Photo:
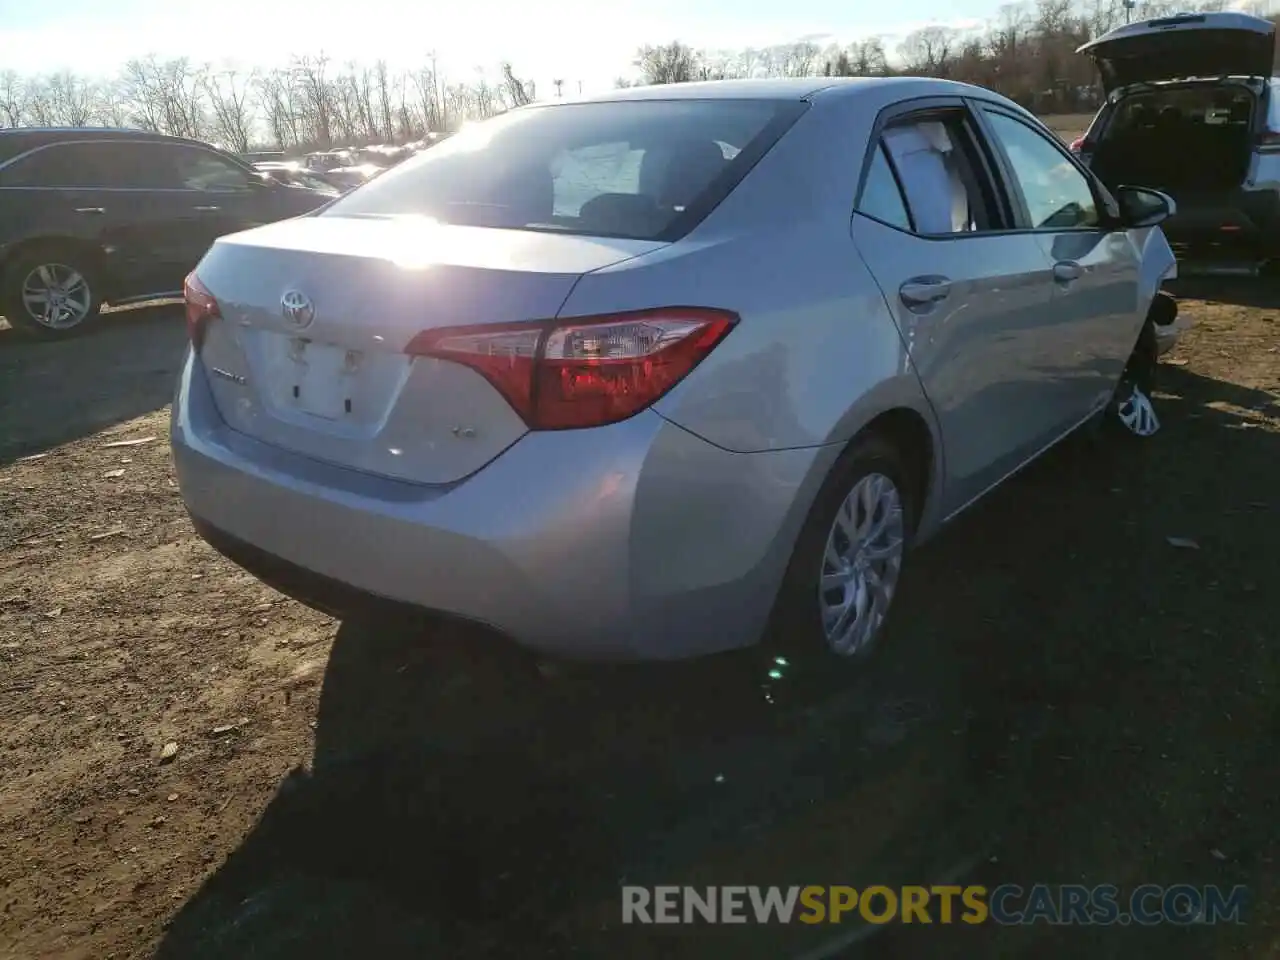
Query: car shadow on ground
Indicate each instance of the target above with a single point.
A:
(1262, 293)
(55, 392)
(1068, 695)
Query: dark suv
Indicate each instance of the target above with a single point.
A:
(1192, 110)
(93, 216)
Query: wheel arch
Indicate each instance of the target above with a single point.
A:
(13, 252)
(898, 412)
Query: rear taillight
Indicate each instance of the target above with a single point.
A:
(584, 372)
(201, 308)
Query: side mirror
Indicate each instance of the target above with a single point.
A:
(1143, 207)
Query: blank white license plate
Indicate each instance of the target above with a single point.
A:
(322, 378)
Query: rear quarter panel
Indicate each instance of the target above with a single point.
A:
(816, 354)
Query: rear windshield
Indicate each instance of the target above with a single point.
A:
(641, 169)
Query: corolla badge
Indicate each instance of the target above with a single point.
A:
(297, 309)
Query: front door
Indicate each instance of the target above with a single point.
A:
(1096, 272)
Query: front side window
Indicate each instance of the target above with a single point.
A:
(196, 169)
(626, 168)
(1058, 196)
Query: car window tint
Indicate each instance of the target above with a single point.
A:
(627, 169)
(204, 170)
(935, 176)
(1057, 194)
(881, 197)
(65, 165)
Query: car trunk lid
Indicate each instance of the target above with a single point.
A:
(1184, 46)
(308, 350)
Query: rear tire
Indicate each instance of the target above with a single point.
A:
(50, 292)
(845, 568)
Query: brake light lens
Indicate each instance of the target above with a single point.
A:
(201, 308)
(586, 372)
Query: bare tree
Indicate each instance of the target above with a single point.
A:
(382, 80)
(310, 80)
(167, 96)
(74, 98)
(424, 80)
(230, 96)
(13, 98)
(796, 59)
(927, 51)
(516, 92)
(41, 105)
(275, 95)
(673, 62)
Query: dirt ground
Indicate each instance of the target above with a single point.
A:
(1081, 686)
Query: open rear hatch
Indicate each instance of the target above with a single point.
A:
(1182, 47)
(307, 350)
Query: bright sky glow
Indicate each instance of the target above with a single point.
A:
(592, 41)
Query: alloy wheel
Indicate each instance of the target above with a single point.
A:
(56, 296)
(861, 564)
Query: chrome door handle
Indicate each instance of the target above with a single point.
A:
(924, 290)
(91, 209)
(208, 209)
(1065, 271)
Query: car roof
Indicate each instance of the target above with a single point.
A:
(16, 140)
(786, 88)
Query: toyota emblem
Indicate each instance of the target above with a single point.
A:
(297, 309)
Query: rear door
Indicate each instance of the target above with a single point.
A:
(971, 295)
(1094, 321)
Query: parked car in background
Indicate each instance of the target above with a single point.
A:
(93, 216)
(384, 154)
(1192, 110)
(263, 156)
(666, 371)
(325, 160)
(348, 178)
(294, 174)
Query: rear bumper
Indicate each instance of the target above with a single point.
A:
(634, 541)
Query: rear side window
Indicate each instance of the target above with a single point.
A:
(63, 165)
(647, 169)
(110, 164)
(927, 163)
(881, 195)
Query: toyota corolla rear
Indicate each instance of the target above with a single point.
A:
(399, 399)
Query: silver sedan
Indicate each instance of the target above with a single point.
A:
(667, 371)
